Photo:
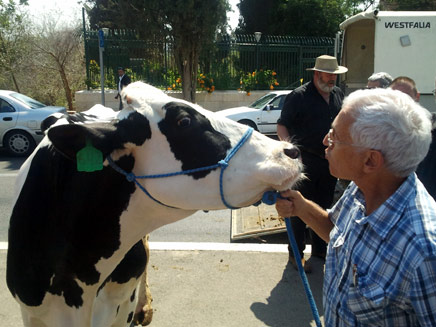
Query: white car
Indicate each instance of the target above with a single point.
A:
(262, 114)
(20, 122)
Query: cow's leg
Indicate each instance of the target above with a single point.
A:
(118, 296)
(144, 311)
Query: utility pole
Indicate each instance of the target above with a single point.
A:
(100, 51)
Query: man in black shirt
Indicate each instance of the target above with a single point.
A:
(123, 80)
(306, 118)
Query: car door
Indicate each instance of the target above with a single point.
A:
(8, 117)
(270, 114)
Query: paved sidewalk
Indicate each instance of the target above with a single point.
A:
(209, 288)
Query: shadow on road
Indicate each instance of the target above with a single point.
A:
(8, 162)
(288, 300)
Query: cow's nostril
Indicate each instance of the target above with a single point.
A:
(293, 153)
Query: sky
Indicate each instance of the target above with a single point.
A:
(70, 11)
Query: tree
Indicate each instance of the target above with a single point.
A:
(193, 24)
(408, 5)
(13, 37)
(59, 51)
(190, 24)
(296, 17)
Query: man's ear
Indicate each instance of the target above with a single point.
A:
(69, 139)
(374, 160)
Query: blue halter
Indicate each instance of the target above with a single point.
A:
(223, 164)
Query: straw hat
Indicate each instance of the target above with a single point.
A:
(328, 64)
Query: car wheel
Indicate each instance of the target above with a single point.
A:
(19, 143)
(249, 123)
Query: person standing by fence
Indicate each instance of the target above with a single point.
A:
(306, 117)
(123, 80)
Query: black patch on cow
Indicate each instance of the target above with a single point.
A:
(130, 318)
(118, 310)
(132, 297)
(132, 266)
(192, 138)
(46, 123)
(69, 139)
(78, 117)
(65, 221)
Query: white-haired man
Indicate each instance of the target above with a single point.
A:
(381, 259)
(381, 79)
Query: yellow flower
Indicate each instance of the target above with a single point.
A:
(174, 85)
(274, 73)
(276, 83)
(271, 87)
(248, 93)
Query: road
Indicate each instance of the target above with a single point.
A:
(9, 167)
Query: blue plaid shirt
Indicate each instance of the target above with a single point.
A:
(381, 269)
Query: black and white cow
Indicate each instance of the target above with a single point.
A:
(76, 256)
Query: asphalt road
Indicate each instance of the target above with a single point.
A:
(9, 167)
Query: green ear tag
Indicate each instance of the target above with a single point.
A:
(89, 159)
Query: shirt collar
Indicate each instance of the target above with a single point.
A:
(387, 215)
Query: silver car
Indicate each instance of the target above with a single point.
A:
(262, 114)
(20, 122)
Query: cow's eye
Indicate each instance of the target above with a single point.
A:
(184, 122)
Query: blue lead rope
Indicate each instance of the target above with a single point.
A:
(270, 198)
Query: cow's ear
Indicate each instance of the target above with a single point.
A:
(69, 139)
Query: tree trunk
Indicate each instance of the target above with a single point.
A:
(187, 62)
(15, 82)
(67, 88)
(186, 81)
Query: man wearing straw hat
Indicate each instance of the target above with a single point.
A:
(306, 118)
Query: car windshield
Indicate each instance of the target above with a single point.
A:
(262, 102)
(32, 103)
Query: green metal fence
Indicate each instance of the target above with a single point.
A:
(231, 56)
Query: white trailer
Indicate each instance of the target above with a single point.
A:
(401, 43)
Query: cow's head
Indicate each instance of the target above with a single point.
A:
(162, 135)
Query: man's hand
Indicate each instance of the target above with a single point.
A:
(292, 205)
(312, 214)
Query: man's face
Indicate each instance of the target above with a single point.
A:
(120, 72)
(345, 159)
(406, 88)
(373, 84)
(326, 81)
